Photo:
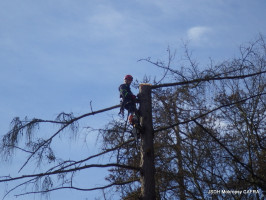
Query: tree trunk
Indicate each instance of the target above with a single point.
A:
(147, 149)
(180, 174)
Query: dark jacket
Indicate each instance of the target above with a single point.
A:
(128, 100)
(125, 93)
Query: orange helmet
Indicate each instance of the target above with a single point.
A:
(129, 77)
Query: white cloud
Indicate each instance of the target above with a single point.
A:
(199, 34)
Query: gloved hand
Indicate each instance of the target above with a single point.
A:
(133, 97)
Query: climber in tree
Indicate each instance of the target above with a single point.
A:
(128, 99)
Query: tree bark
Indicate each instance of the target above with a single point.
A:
(180, 174)
(147, 149)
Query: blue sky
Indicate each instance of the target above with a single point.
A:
(58, 55)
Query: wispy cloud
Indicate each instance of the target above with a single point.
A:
(199, 34)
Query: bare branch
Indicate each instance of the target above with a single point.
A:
(93, 156)
(247, 167)
(204, 114)
(71, 170)
(16, 147)
(91, 106)
(207, 79)
(65, 126)
(81, 189)
(17, 186)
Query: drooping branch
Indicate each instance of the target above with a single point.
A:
(70, 170)
(81, 189)
(62, 166)
(66, 124)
